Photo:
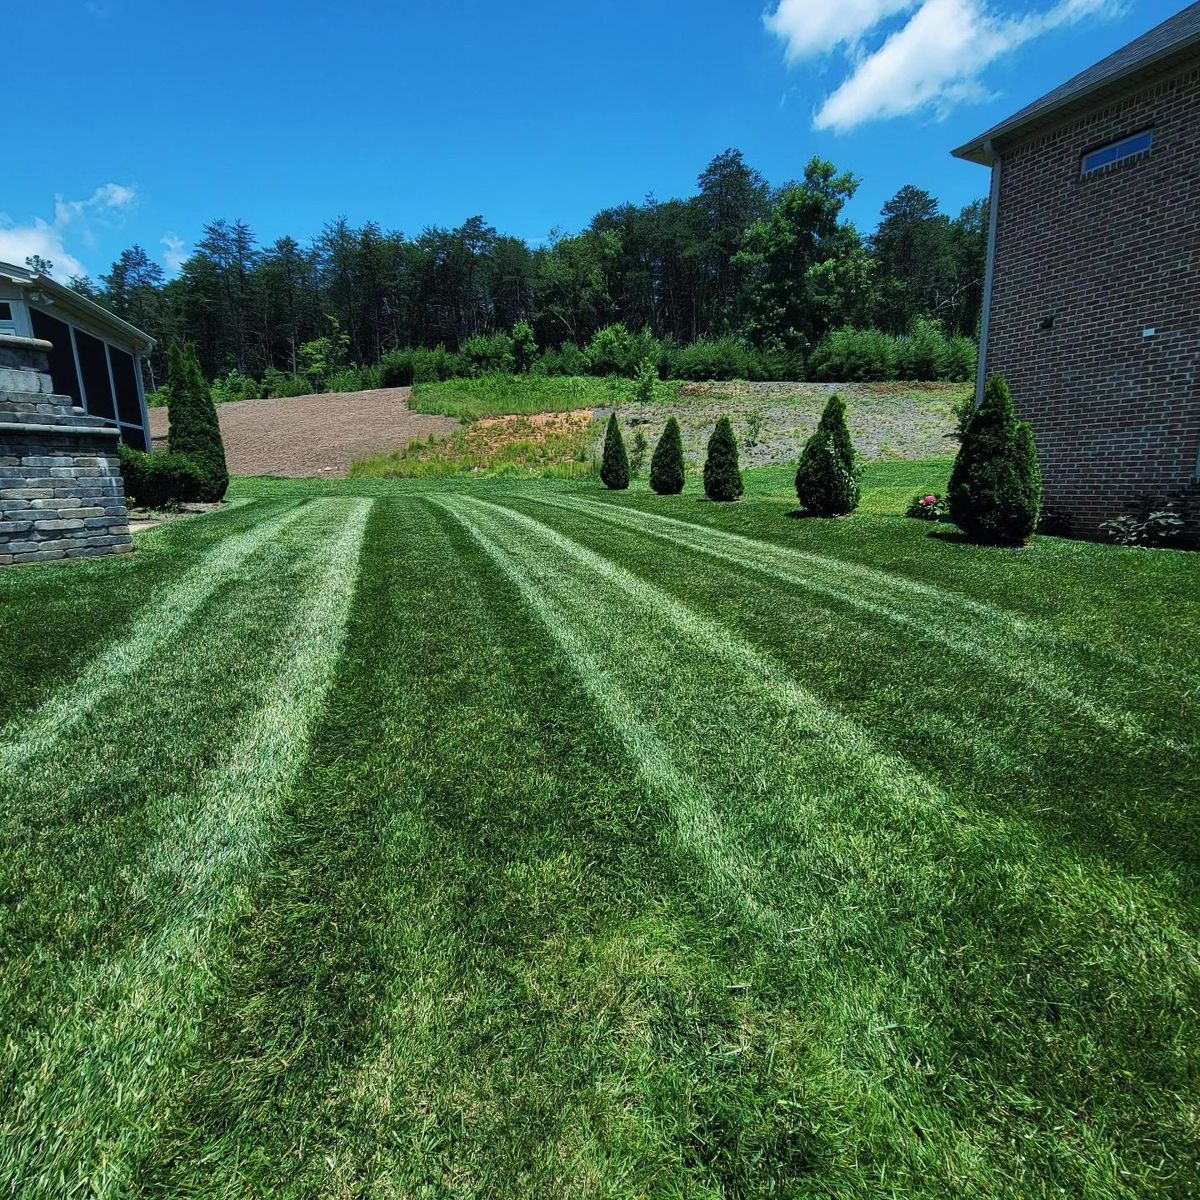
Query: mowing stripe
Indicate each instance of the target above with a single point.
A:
(697, 828)
(156, 624)
(87, 1105)
(854, 758)
(996, 640)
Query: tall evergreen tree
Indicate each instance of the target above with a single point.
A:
(614, 470)
(995, 490)
(666, 464)
(722, 478)
(195, 430)
(827, 475)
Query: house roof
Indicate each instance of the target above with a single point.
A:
(1176, 40)
(73, 304)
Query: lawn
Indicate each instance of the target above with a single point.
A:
(415, 838)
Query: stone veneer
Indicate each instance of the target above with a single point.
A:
(61, 492)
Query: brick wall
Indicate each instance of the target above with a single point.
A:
(61, 493)
(1115, 414)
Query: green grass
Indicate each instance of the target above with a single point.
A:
(406, 838)
(524, 395)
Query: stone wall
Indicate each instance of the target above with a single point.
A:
(61, 492)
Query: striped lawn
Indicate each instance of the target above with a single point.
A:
(524, 840)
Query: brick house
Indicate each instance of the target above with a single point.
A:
(1092, 291)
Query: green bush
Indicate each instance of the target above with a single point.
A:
(276, 383)
(616, 351)
(666, 464)
(924, 353)
(722, 479)
(854, 355)
(996, 486)
(524, 346)
(355, 379)
(235, 386)
(488, 355)
(827, 475)
(157, 480)
(704, 361)
(195, 430)
(396, 370)
(645, 384)
(961, 358)
(614, 469)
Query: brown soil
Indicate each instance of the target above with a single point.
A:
(305, 436)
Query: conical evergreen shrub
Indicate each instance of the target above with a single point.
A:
(827, 475)
(195, 430)
(614, 470)
(722, 479)
(995, 488)
(666, 466)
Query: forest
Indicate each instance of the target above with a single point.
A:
(771, 268)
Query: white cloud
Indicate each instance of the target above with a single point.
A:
(935, 60)
(175, 255)
(73, 219)
(812, 27)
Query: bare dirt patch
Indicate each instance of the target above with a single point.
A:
(305, 436)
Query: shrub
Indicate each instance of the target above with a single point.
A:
(704, 361)
(355, 379)
(666, 464)
(961, 359)
(276, 383)
(396, 370)
(854, 355)
(996, 485)
(488, 355)
(195, 430)
(158, 480)
(644, 385)
(722, 479)
(924, 354)
(614, 469)
(637, 456)
(1152, 526)
(928, 506)
(235, 386)
(435, 366)
(524, 346)
(827, 475)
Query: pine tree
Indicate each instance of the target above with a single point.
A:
(722, 479)
(827, 475)
(666, 465)
(995, 488)
(195, 430)
(614, 470)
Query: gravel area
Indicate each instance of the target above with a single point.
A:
(305, 436)
(887, 421)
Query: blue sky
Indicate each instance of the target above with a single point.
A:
(140, 121)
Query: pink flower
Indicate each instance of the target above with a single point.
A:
(929, 500)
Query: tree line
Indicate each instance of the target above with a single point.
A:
(772, 266)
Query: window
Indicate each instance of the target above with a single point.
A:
(62, 353)
(5, 311)
(1115, 152)
(129, 404)
(93, 366)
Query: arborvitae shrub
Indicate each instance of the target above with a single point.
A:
(614, 470)
(996, 486)
(666, 464)
(827, 475)
(195, 431)
(722, 479)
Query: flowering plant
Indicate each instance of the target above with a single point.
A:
(929, 507)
